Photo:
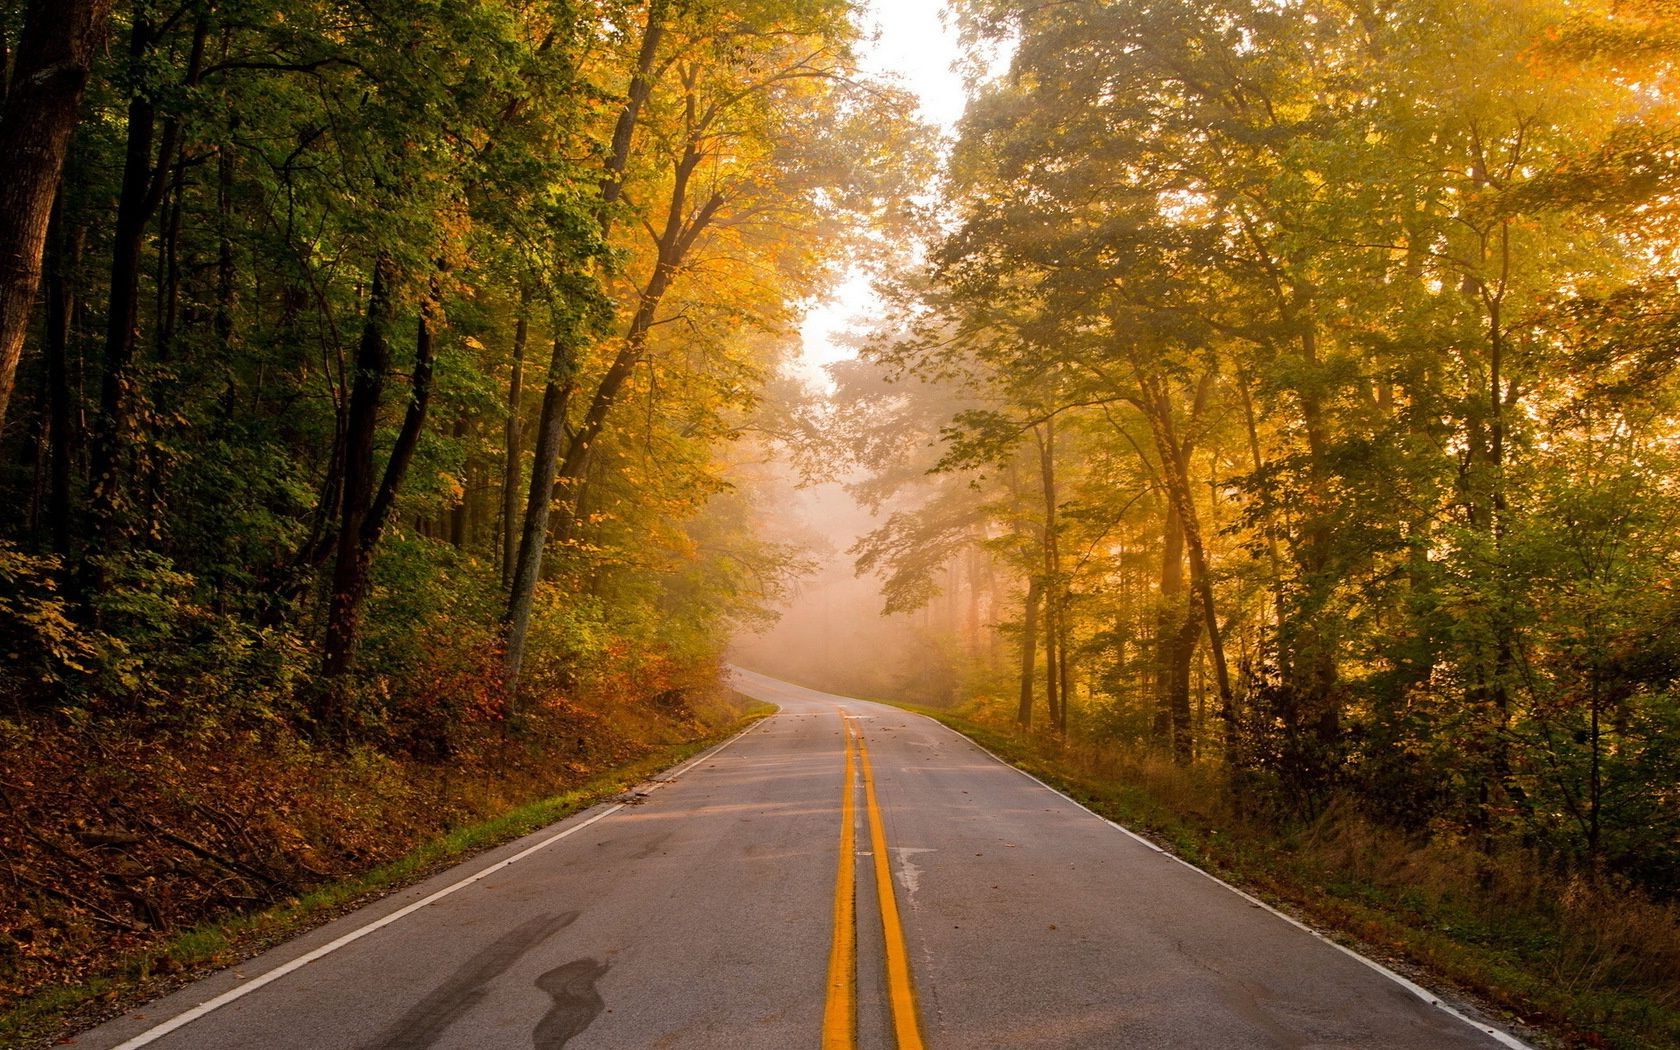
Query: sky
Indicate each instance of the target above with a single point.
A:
(912, 44)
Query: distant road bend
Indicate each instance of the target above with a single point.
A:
(843, 874)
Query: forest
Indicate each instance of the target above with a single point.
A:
(1288, 395)
(1281, 392)
(381, 384)
(1292, 388)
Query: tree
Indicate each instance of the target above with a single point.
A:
(55, 54)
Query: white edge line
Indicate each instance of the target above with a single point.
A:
(181, 1020)
(1499, 1035)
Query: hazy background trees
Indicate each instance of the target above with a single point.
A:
(1296, 387)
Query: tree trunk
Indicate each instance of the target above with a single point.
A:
(225, 268)
(169, 258)
(366, 512)
(66, 251)
(562, 372)
(1504, 625)
(1177, 626)
(1053, 588)
(624, 131)
(372, 360)
(1274, 560)
(143, 187)
(1064, 666)
(1175, 471)
(679, 235)
(513, 438)
(460, 515)
(562, 368)
(1029, 652)
(49, 73)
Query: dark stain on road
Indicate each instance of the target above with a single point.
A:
(652, 846)
(576, 1002)
(421, 1026)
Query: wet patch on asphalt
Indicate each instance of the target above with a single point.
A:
(429, 1018)
(576, 1002)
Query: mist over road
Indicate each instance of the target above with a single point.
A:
(712, 911)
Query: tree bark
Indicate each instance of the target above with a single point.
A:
(372, 360)
(1175, 463)
(366, 511)
(1053, 693)
(562, 368)
(169, 267)
(1029, 652)
(513, 437)
(460, 515)
(678, 237)
(624, 130)
(225, 266)
(54, 55)
(1177, 626)
(143, 186)
(66, 250)
(562, 372)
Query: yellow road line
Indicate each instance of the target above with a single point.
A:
(901, 994)
(840, 1010)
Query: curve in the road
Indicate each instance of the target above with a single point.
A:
(715, 914)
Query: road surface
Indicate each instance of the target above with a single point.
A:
(738, 903)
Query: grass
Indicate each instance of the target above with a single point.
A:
(47, 1016)
(1572, 962)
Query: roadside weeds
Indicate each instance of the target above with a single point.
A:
(142, 975)
(1562, 963)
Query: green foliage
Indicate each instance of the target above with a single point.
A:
(43, 642)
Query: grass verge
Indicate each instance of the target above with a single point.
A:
(1565, 962)
(48, 1016)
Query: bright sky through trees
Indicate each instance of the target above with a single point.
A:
(913, 44)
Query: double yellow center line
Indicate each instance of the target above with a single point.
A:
(840, 1010)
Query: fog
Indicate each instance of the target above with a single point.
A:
(832, 634)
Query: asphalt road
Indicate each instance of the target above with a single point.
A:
(713, 911)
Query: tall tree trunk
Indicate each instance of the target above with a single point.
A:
(372, 360)
(513, 436)
(1316, 675)
(49, 74)
(1177, 626)
(972, 576)
(143, 188)
(65, 247)
(169, 258)
(225, 266)
(1052, 680)
(1306, 646)
(1175, 470)
(460, 515)
(365, 510)
(1274, 559)
(1497, 689)
(624, 130)
(1064, 666)
(1046, 436)
(678, 237)
(562, 369)
(1029, 652)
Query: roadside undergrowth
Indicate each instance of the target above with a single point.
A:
(1575, 962)
(134, 862)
